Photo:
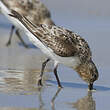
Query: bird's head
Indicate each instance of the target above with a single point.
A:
(88, 71)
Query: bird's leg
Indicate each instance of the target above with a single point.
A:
(55, 73)
(90, 86)
(11, 33)
(19, 36)
(42, 71)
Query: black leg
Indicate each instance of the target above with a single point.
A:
(55, 73)
(90, 86)
(19, 36)
(11, 33)
(42, 71)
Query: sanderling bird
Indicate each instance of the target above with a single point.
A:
(34, 10)
(62, 46)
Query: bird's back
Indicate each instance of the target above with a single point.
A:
(61, 41)
(34, 10)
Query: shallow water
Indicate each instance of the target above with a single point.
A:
(20, 67)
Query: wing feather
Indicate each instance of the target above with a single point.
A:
(63, 42)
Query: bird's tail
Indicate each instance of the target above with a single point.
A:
(16, 15)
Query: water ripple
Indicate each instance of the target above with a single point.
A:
(19, 81)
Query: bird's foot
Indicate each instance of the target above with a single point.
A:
(60, 86)
(90, 87)
(40, 82)
(8, 43)
(26, 46)
(92, 90)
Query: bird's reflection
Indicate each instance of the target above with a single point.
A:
(41, 103)
(54, 97)
(85, 103)
(25, 82)
(16, 81)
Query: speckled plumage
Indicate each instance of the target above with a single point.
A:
(62, 44)
(34, 10)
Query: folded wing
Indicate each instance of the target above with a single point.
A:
(62, 41)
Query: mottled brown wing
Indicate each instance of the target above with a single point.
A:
(58, 39)
(51, 36)
(62, 41)
(34, 10)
